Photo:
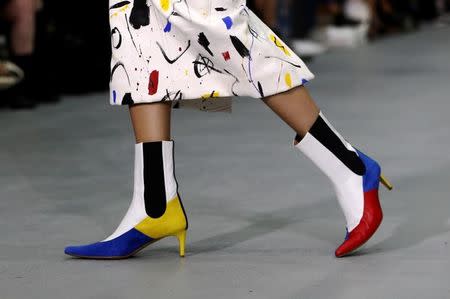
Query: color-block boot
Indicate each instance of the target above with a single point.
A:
(155, 212)
(356, 179)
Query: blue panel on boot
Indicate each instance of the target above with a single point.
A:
(371, 179)
(121, 246)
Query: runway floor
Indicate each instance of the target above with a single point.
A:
(264, 222)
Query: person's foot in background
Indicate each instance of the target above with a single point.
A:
(308, 48)
(10, 75)
(342, 20)
(20, 95)
(346, 23)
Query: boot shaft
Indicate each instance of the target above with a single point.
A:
(154, 177)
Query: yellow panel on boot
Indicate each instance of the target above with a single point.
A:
(172, 222)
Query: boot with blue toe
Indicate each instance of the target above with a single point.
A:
(156, 211)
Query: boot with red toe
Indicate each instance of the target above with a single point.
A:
(356, 179)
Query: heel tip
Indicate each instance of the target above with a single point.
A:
(385, 182)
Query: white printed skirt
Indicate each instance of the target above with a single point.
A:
(203, 50)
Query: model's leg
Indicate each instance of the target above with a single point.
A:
(22, 14)
(296, 108)
(151, 122)
(156, 210)
(355, 176)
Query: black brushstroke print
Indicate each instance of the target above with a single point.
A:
(114, 69)
(131, 36)
(211, 95)
(279, 44)
(246, 74)
(236, 81)
(127, 100)
(240, 47)
(253, 32)
(140, 14)
(284, 60)
(172, 61)
(172, 96)
(203, 66)
(261, 92)
(221, 9)
(204, 42)
(120, 4)
(175, 8)
(116, 32)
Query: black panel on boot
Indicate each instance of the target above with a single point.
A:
(325, 135)
(155, 189)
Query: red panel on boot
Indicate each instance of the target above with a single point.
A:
(369, 223)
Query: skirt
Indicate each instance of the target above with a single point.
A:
(202, 50)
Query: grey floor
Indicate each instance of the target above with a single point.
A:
(263, 221)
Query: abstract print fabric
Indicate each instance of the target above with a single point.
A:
(174, 50)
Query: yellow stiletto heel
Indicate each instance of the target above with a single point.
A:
(386, 182)
(181, 236)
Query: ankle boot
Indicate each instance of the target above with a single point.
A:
(155, 212)
(355, 177)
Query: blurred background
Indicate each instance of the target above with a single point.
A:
(39, 37)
